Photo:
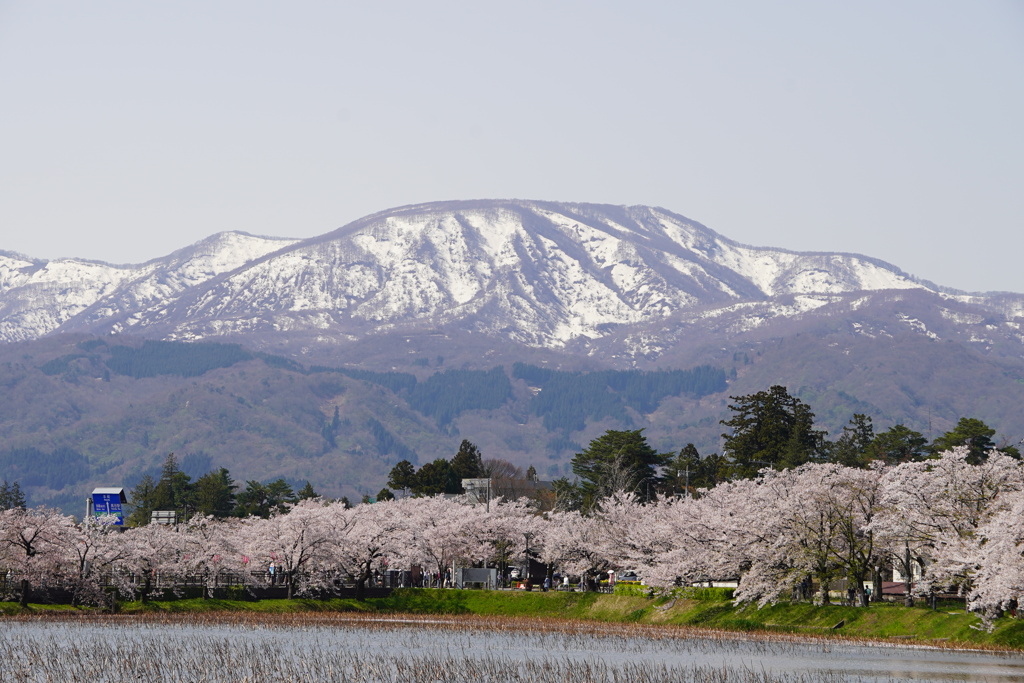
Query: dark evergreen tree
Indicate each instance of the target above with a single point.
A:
(617, 461)
(568, 496)
(11, 496)
(770, 429)
(53, 470)
(330, 429)
(173, 491)
(898, 444)
(142, 501)
(307, 492)
(444, 395)
(215, 494)
(184, 359)
(327, 432)
(385, 494)
(386, 441)
(436, 477)
(714, 469)
(468, 463)
(392, 381)
(569, 399)
(403, 476)
(262, 500)
(974, 434)
(851, 449)
(196, 464)
(682, 473)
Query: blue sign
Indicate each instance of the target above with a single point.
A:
(108, 504)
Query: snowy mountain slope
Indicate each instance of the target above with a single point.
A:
(543, 274)
(40, 297)
(37, 297)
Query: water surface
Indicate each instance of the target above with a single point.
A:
(450, 651)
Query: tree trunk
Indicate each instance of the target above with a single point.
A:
(908, 577)
(23, 601)
(860, 594)
(361, 581)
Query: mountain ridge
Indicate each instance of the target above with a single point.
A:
(542, 272)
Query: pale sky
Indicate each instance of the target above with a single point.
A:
(888, 128)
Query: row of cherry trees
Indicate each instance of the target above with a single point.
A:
(777, 532)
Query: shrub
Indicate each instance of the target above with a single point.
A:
(704, 593)
(633, 589)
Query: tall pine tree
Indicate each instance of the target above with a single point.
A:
(617, 461)
(468, 463)
(770, 429)
(215, 494)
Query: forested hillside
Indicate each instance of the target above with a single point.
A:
(83, 412)
(566, 400)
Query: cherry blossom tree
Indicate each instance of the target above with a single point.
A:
(506, 528)
(31, 547)
(372, 535)
(713, 535)
(89, 550)
(999, 579)
(759, 538)
(444, 530)
(573, 542)
(148, 554)
(931, 512)
(633, 533)
(827, 518)
(210, 548)
(773, 532)
(295, 541)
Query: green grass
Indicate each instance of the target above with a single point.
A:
(13, 608)
(886, 620)
(491, 603)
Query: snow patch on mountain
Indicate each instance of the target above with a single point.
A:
(917, 325)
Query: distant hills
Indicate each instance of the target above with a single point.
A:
(526, 327)
(81, 411)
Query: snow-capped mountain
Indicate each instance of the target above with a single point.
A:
(40, 297)
(543, 274)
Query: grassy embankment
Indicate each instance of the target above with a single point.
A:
(710, 610)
